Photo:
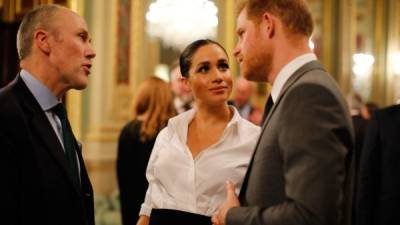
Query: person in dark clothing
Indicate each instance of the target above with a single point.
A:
(153, 106)
(360, 117)
(43, 176)
(378, 193)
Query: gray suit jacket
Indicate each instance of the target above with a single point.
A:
(301, 170)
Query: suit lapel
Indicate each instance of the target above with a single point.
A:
(43, 129)
(296, 75)
(85, 181)
(292, 80)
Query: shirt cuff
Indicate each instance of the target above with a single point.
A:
(145, 210)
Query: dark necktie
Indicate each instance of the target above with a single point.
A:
(267, 108)
(68, 139)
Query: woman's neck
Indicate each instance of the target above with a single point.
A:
(207, 127)
(212, 114)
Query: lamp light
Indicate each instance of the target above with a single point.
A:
(362, 64)
(179, 22)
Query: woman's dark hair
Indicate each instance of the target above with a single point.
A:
(185, 60)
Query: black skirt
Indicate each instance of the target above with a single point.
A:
(176, 217)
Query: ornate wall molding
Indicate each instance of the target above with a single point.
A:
(379, 51)
(345, 43)
(392, 90)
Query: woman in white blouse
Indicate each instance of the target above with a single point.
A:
(200, 149)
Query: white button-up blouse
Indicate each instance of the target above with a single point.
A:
(177, 181)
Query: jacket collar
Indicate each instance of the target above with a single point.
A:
(39, 122)
(313, 65)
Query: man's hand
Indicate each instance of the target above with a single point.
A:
(231, 201)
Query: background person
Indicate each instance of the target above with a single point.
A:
(152, 107)
(360, 117)
(378, 195)
(242, 101)
(183, 98)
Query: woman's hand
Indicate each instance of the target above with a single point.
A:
(143, 220)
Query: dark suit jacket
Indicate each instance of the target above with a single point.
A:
(360, 126)
(300, 171)
(132, 159)
(36, 187)
(378, 193)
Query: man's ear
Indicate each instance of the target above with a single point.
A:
(269, 24)
(41, 40)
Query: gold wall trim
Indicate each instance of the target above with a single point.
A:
(378, 75)
(77, 5)
(137, 42)
(103, 133)
(392, 80)
(105, 128)
(327, 18)
(9, 11)
(74, 98)
(348, 44)
(230, 32)
(18, 7)
(102, 176)
(101, 166)
(74, 109)
(102, 137)
(102, 82)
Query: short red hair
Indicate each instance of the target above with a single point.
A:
(294, 14)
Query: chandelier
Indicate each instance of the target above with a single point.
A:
(179, 22)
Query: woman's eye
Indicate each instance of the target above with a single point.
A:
(203, 69)
(223, 66)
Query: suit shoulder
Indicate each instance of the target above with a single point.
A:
(313, 89)
(6, 92)
(388, 114)
(8, 99)
(319, 77)
(308, 96)
(320, 82)
(394, 109)
(11, 111)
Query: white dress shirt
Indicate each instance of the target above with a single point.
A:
(177, 181)
(287, 71)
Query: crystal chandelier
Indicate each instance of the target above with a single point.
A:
(179, 22)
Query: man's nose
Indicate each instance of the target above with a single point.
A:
(236, 51)
(91, 53)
